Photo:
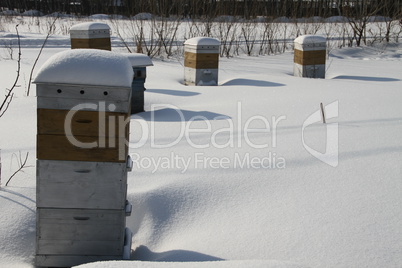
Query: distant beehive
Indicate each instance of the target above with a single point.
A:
(82, 159)
(309, 56)
(201, 61)
(90, 35)
(139, 62)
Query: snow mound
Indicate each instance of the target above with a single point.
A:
(379, 19)
(32, 13)
(334, 19)
(87, 67)
(225, 18)
(282, 20)
(18, 227)
(59, 14)
(314, 19)
(9, 13)
(99, 17)
(217, 264)
(142, 16)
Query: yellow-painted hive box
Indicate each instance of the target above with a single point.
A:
(90, 35)
(309, 56)
(201, 61)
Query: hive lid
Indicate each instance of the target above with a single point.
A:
(202, 41)
(87, 67)
(90, 26)
(139, 60)
(310, 39)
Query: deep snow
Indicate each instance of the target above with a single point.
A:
(87, 67)
(229, 203)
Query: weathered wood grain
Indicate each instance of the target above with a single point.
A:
(81, 123)
(201, 60)
(86, 185)
(58, 147)
(309, 57)
(95, 43)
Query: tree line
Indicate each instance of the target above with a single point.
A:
(247, 9)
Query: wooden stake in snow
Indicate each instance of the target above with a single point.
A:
(323, 113)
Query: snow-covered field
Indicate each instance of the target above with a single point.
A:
(225, 176)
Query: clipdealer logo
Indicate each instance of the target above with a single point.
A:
(236, 134)
(330, 156)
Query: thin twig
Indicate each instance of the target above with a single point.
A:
(10, 94)
(120, 36)
(22, 166)
(40, 52)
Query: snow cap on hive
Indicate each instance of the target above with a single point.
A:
(87, 67)
(139, 60)
(310, 42)
(90, 26)
(202, 45)
(89, 30)
(202, 41)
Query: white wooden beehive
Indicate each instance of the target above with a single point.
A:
(201, 61)
(82, 190)
(309, 56)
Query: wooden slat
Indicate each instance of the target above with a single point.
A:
(86, 105)
(201, 60)
(86, 185)
(58, 147)
(309, 57)
(78, 97)
(68, 247)
(80, 231)
(75, 231)
(95, 43)
(83, 123)
(79, 225)
(70, 260)
(87, 92)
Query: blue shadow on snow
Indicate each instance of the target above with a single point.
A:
(178, 115)
(144, 254)
(181, 93)
(250, 82)
(366, 78)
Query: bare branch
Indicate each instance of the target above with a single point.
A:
(40, 52)
(10, 94)
(22, 165)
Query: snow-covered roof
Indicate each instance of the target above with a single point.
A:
(87, 67)
(203, 41)
(310, 39)
(89, 26)
(139, 60)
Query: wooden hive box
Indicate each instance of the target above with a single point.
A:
(82, 152)
(86, 185)
(90, 35)
(309, 56)
(71, 117)
(201, 61)
(69, 237)
(139, 63)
